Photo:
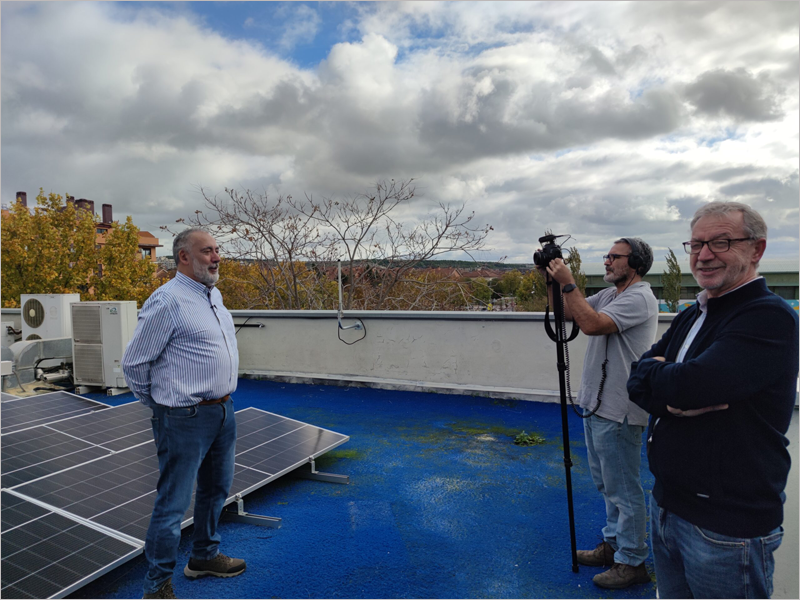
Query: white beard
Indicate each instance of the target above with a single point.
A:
(203, 275)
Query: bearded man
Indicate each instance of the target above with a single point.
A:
(621, 323)
(183, 363)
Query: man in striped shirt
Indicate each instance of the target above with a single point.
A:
(183, 363)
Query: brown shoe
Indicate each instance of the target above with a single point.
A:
(602, 556)
(219, 566)
(165, 591)
(621, 576)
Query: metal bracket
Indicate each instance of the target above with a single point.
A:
(316, 475)
(240, 516)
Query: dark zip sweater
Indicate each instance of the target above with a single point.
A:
(725, 470)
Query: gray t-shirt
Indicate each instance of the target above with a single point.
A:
(635, 313)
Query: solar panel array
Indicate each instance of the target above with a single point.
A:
(22, 413)
(95, 473)
(45, 554)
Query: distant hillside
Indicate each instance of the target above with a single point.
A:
(470, 265)
(465, 265)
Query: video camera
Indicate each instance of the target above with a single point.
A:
(549, 251)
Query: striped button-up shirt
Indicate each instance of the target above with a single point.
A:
(184, 347)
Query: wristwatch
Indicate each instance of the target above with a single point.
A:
(568, 288)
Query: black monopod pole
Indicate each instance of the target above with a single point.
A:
(559, 337)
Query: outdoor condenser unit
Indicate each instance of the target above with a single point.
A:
(100, 333)
(47, 316)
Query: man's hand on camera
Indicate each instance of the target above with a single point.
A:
(560, 272)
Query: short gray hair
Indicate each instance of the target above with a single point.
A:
(754, 225)
(182, 241)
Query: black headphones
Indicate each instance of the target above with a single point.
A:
(635, 259)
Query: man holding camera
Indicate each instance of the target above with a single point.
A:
(621, 324)
(720, 386)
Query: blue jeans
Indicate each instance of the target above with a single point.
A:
(615, 453)
(697, 563)
(195, 443)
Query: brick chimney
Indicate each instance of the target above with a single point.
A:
(85, 204)
(107, 217)
(23, 197)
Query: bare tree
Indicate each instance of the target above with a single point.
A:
(294, 245)
(278, 240)
(379, 251)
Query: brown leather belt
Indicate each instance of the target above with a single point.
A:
(222, 400)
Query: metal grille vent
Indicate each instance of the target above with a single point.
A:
(33, 336)
(33, 313)
(86, 324)
(88, 363)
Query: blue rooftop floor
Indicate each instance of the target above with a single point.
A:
(441, 504)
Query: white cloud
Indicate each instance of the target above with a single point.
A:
(302, 28)
(595, 119)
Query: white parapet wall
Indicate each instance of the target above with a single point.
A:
(497, 354)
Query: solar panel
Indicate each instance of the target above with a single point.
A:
(121, 427)
(46, 554)
(118, 490)
(4, 397)
(39, 451)
(21, 413)
(275, 445)
(99, 471)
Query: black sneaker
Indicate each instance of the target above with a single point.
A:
(165, 591)
(219, 566)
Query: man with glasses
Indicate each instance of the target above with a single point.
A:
(720, 388)
(621, 323)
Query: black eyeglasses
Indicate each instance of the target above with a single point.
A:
(613, 257)
(716, 246)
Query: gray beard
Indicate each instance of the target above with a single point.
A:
(609, 277)
(203, 275)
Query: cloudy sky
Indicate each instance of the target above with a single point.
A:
(590, 118)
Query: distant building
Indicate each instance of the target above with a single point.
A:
(167, 263)
(782, 283)
(147, 241)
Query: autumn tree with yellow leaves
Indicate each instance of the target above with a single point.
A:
(53, 250)
(122, 274)
(49, 251)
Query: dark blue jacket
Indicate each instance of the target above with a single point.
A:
(725, 470)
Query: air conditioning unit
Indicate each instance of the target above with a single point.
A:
(47, 316)
(100, 333)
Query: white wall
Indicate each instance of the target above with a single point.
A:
(496, 354)
(492, 353)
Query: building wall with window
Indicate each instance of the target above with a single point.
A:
(147, 242)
